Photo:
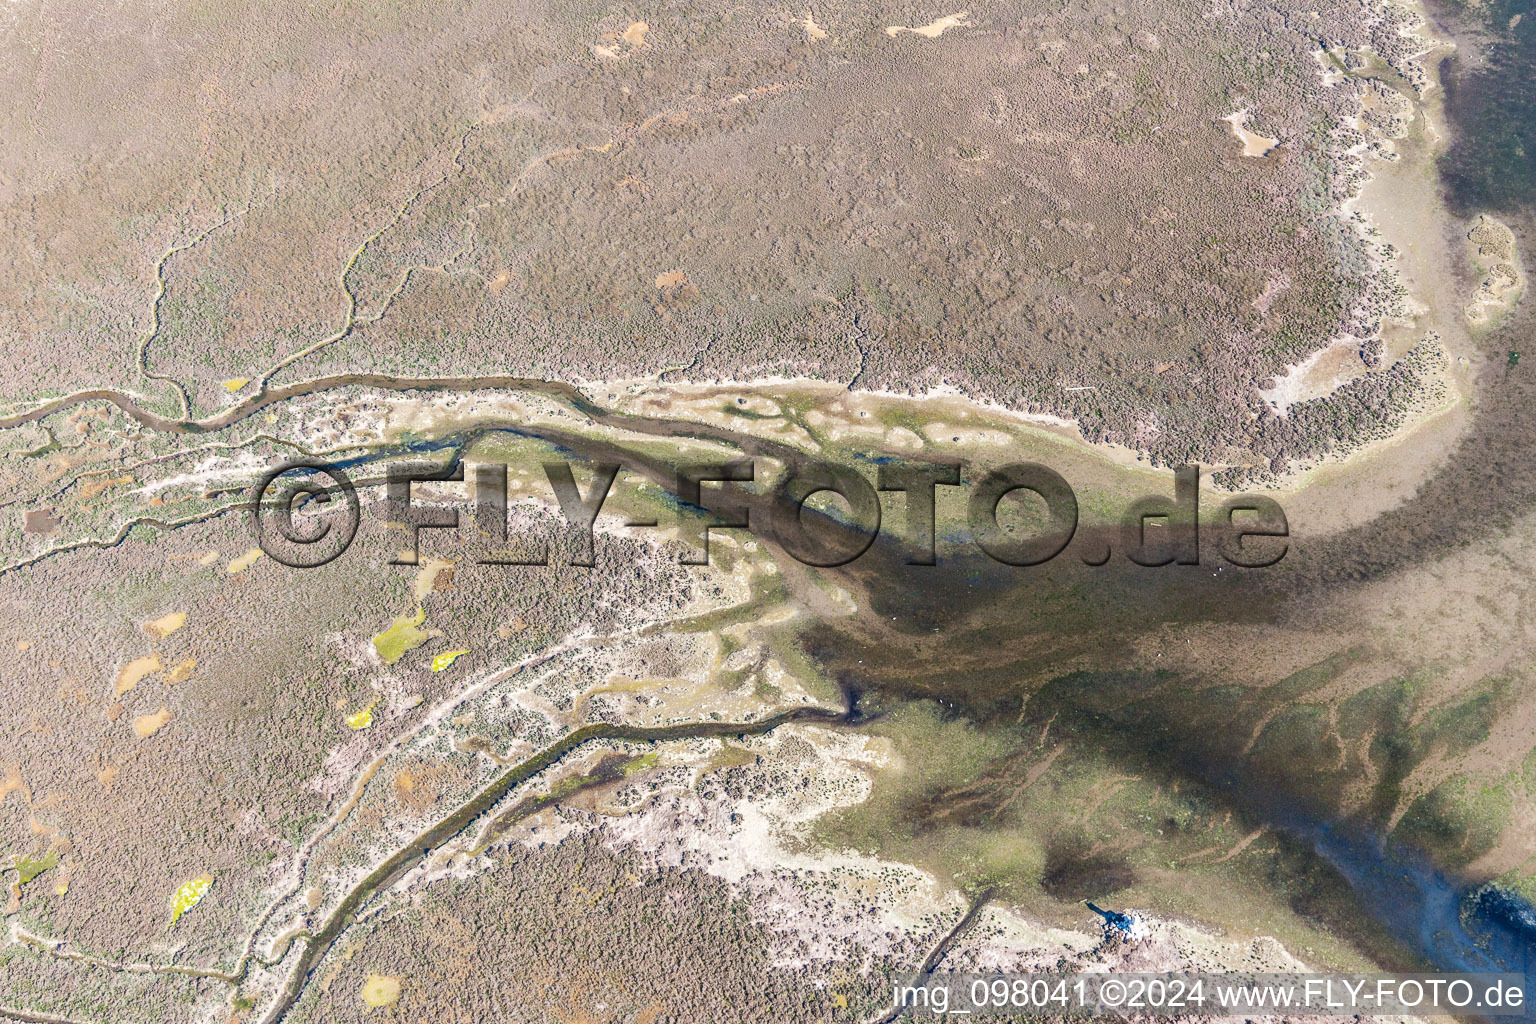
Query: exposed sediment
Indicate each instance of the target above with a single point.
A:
(1496, 255)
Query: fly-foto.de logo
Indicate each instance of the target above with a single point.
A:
(306, 514)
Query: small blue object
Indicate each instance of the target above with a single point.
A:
(1117, 920)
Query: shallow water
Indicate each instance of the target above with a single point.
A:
(1489, 166)
(1491, 103)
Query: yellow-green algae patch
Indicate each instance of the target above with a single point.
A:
(404, 634)
(380, 990)
(445, 659)
(362, 719)
(189, 895)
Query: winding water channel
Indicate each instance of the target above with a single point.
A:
(1434, 916)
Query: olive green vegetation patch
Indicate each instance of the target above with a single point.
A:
(1459, 820)
(953, 754)
(636, 765)
(728, 756)
(1299, 735)
(1386, 708)
(29, 868)
(1313, 677)
(1460, 727)
(989, 858)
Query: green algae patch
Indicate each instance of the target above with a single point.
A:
(29, 868)
(566, 786)
(403, 635)
(644, 762)
(728, 756)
